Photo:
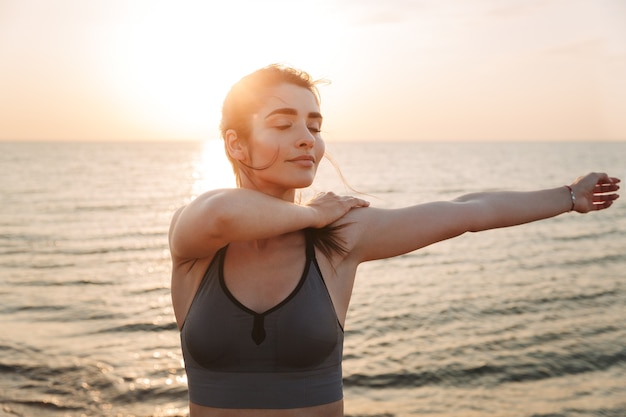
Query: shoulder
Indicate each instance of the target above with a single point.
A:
(189, 228)
(175, 217)
(194, 215)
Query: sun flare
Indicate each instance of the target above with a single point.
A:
(212, 169)
(182, 58)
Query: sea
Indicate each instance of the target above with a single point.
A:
(528, 321)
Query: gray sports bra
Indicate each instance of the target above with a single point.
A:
(287, 357)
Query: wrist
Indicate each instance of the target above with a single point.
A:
(312, 217)
(572, 196)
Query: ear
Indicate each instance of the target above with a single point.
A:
(235, 146)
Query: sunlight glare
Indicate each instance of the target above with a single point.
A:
(212, 170)
(181, 58)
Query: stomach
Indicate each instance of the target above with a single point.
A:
(334, 409)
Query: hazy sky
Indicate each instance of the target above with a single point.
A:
(399, 69)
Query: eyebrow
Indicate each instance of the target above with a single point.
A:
(293, 112)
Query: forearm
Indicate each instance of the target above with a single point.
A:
(241, 214)
(490, 210)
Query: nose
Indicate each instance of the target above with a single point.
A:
(306, 139)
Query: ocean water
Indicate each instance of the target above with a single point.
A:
(526, 321)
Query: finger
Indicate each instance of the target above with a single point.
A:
(604, 180)
(360, 203)
(601, 199)
(609, 180)
(603, 205)
(605, 188)
(604, 196)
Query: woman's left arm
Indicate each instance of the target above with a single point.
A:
(502, 209)
(386, 233)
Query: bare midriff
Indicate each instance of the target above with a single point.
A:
(334, 409)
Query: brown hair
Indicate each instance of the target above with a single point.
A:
(244, 99)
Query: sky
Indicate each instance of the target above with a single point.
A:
(397, 69)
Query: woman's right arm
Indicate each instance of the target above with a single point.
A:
(219, 217)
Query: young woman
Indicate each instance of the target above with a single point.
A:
(261, 284)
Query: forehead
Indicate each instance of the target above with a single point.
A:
(289, 96)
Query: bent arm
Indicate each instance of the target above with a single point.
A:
(386, 233)
(219, 217)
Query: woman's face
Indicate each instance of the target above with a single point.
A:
(285, 142)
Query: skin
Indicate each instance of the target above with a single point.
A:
(262, 224)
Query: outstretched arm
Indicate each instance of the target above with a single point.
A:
(386, 233)
(219, 217)
(502, 209)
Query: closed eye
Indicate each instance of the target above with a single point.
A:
(312, 129)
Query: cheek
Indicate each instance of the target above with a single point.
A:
(262, 154)
(259, 147)
(320, 149)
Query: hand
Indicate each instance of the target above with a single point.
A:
(330, 207)
(595, 191)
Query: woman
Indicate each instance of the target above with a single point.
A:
(261, 284)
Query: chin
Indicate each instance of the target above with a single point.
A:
(303, 184)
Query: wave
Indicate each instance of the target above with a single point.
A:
(40, 405)
(141, 327)
(66, 258)
(107, 207)
(33, 308)
(566, 301)
(590, 236)
(37, 385)
(570, 412)
(520, 369)
(598, 260)
(75, 283)
(145, 291)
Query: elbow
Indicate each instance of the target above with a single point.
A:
(203, 221)
(468, 212)
(479, 224)
(476, 215)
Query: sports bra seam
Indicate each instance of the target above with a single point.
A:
(301, 371)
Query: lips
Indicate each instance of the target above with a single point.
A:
(304, 160)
